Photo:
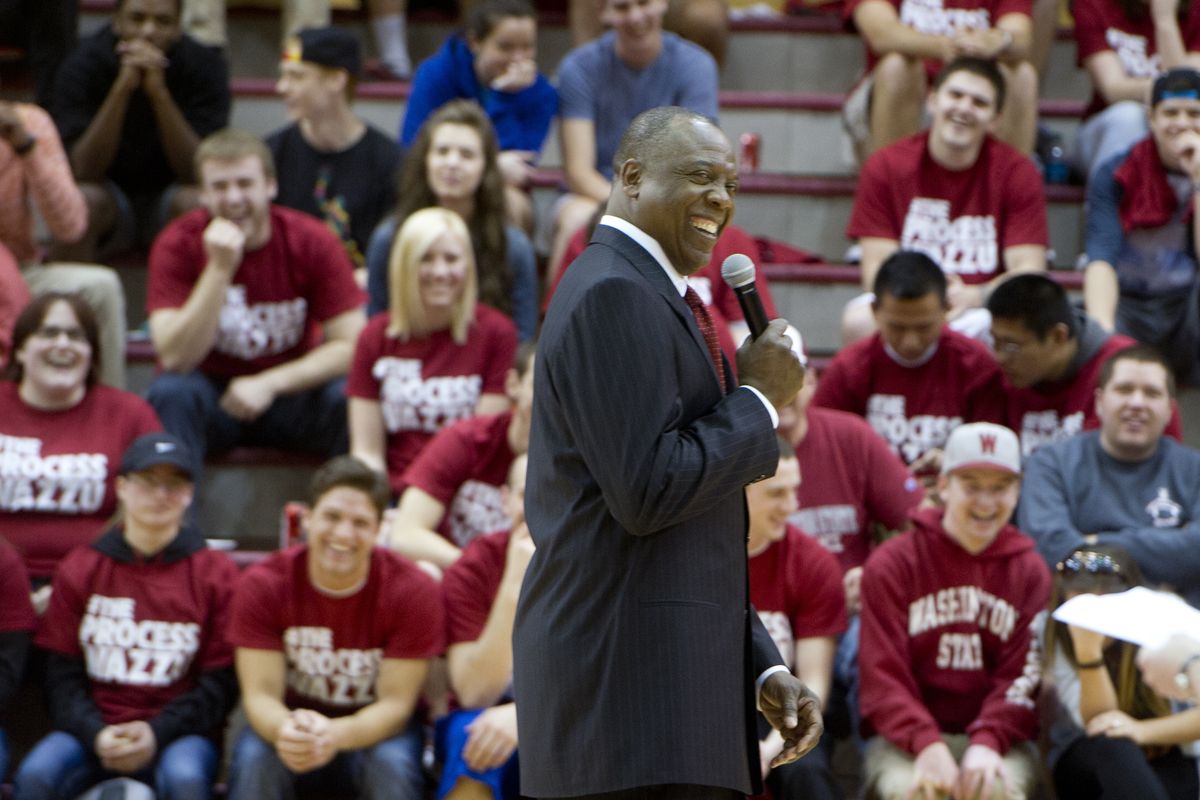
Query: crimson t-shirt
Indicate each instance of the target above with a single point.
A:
(277, 298)
(915, 408)
(1101, 25)
(850, 479)
(796, 587)
(470, 584)
(944, 18)
(962, 219)
(424, 384)
(463, 468)
(146, 630)
(333, 646)
(58, 469)
(16, 609)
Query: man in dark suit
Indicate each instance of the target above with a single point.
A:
(637, 658)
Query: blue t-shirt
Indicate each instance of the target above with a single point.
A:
(594, 84)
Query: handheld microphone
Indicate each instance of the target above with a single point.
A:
(738, 271)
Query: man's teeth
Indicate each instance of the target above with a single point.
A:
(706, 225)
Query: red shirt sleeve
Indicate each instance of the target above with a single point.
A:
(1091, 25)
(469, 587)
(59, 627)
(221, 578)
(253, 615)
(1004, 7)
(361, 381)
(332, 290)
(500, 338)
(444, 464)
(176, 259)
(873, 214)
(839, 386)
(815, 580)
(1024, 205)
(420, 630)
(16, 609)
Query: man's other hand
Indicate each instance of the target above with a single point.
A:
(769, 365)
(793, 710)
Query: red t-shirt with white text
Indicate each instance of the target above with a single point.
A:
(145, 630)
(1101, 25)
(424, 384)
(276, 299)
(850, 479)
(333, 646)
(945, 18)
(915, 408)
(796, 587)
(58, 469)
(962, 219)
(463, 468)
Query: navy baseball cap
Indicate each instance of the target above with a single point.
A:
(1179, 83)
(330, 47)
(153, 449)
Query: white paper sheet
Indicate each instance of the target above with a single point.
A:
(1140, 615)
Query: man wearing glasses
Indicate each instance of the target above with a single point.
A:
(1125, 484)
(1050, 354)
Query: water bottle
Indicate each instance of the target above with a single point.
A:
(1058, 170)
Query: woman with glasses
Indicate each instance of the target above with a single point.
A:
(138, 674)
(1111, 735)
(61, 433)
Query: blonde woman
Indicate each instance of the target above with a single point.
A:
(435, 356)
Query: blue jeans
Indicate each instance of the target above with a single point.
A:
(189, 407)
(59, 768)
(388, 769)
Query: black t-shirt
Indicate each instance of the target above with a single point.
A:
(351, 190)
(197, 78)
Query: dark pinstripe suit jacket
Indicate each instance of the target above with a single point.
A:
(635, 647)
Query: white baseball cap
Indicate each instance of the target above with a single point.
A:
(982, 444)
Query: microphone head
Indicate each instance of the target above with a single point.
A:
(737, 270)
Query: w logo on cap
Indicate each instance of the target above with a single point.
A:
(987, 443)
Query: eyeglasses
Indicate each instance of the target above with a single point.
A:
(1090, 562)
(52, 332)
(1008, 347)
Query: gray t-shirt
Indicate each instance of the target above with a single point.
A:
(594, 84)
(1150, 508)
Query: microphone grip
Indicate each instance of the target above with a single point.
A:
(752, 309)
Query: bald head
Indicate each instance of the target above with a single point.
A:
(675, 179)
(652, 133)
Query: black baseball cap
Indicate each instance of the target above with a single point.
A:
(153, 449)
(330, 47)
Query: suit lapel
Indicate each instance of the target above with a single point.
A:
(652, 271)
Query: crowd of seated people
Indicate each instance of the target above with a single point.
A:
(375, 299)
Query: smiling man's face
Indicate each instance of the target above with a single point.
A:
(683, 193)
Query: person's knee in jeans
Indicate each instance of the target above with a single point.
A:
(392, 768)
(58, 766)
(186, 769)
(255, 771)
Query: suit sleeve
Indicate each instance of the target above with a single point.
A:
(663, 468)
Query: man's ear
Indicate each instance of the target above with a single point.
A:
(630, 177)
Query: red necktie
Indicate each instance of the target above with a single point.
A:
(708, 330)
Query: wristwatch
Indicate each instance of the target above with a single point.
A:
(1182, 681)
